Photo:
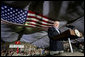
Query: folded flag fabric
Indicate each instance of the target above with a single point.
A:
(24, 17)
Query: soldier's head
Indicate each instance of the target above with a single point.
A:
(56, 24)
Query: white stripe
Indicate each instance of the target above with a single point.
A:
(32, 22)
(32, 19)
(45, 19)
(30, 14)
(44, 23)
(44, 26)
(39, 21)
(37, 24)
(39, 16)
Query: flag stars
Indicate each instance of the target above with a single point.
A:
(8, 16)
(24, 15)
(8, 13)
(8, 9)
(21, 11)
(5, 11)
(5, 6)
(2, 11)
(16, 9)
(19, 16)
(16, 13)
(24, 18)
(2, 8)
(12, 20)
(25, 11)
(11, 12)
(5, 14)
(11, 8)
(13, 15)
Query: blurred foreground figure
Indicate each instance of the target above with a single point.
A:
(56, 46)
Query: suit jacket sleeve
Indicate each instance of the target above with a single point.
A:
(52, 33)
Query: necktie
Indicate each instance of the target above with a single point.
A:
(57, 30)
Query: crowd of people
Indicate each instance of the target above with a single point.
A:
(27, 51)
(30, 50)
(77, 46)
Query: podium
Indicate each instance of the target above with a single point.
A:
(68, 33)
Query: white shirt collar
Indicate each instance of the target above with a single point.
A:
(57, 29)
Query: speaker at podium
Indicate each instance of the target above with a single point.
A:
(70, 33)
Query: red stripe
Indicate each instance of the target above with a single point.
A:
(39, 15)
(31, 21)
(39, 25)
(31, 12)
(39, 19)
(36, 22)
(46, 24)
(31, 24)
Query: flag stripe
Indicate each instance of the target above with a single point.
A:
(24, 17)
(35, 14)
(37, 25)
(29, 21)
(39, 19)
(33, 23)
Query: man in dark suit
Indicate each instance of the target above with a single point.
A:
(56, 46)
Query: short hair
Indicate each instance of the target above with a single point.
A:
(56, 22)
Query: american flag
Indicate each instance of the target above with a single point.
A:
(24, 17)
